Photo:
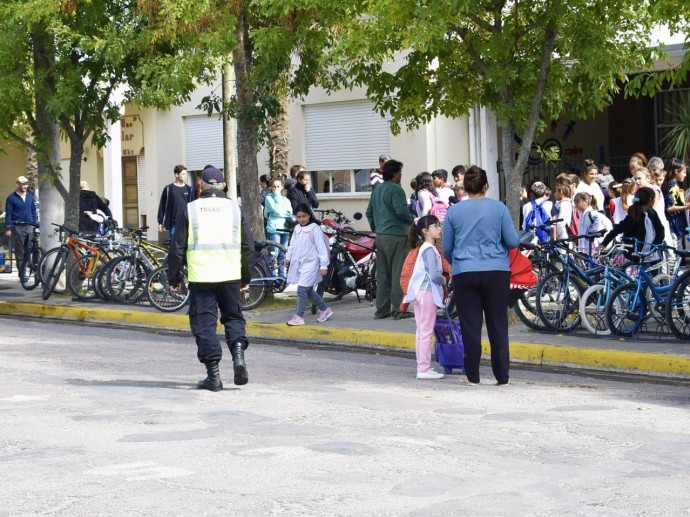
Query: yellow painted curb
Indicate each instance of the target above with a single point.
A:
(530, 353)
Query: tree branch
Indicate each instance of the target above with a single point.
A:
(464, 34)
(535, 108)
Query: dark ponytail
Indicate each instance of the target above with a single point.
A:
(415, 236)
(642, 198)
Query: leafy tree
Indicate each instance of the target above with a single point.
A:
(526, 60)
(62, 65)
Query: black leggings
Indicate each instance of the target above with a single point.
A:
(479, 293)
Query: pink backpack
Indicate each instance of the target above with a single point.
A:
(438, 208)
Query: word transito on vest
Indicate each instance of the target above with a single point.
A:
(212, 209)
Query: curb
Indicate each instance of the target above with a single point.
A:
(606, 360)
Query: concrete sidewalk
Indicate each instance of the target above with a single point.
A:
(353, 325)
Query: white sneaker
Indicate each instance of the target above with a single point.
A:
(429, 374)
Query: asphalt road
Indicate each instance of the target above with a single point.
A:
(103, 421)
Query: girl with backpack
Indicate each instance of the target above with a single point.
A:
(591, 221)
(307, 260)
(426, 288)
(428, 201)
(642, 222)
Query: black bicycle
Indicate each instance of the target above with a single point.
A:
(30, 278)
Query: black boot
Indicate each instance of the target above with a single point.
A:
(237, 351)
(212, 382)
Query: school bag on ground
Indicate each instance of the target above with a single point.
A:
(449, 348)
(438, 208)
(536, 217)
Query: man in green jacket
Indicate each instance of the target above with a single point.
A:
(389, 217)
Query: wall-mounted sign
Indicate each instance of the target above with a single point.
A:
(132, 135)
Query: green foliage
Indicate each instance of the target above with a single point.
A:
(677, 141)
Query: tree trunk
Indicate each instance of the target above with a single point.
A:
(247, 130)
(51, 192)
(72, 207)
(279, 135)
(514, 170)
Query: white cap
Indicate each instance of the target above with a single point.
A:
(22, 179)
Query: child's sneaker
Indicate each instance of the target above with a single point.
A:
(296, 320)
(324, 315)
(429, 374)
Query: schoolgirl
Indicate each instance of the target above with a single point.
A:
(591, 221)
(425, 193)
(642, 222)
(426, 289)
(674, 198)
(307, 260)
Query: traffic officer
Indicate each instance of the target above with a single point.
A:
(214, 239)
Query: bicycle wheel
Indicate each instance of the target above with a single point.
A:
(558, 302)
(32, 275)
(526, 310)
(126, 282)
(593, 310)
(159, 294)
(53, 275)
(258, 288)
(678, 307)
(81, 277)
(626, 310)
(46, 265)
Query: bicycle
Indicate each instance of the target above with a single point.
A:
(125, 278)
(558, 293)
(31, 277)
(161, 296)
(264, 277)
(627, 310)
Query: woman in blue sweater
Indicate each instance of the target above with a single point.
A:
(477, 234)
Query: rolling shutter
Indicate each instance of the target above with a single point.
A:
(345, 135)
(203, 142)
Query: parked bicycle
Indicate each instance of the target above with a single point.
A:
(264, 274)
(30, 278)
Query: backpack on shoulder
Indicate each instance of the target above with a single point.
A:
(408, 268)
(536, 217)
(438, 208)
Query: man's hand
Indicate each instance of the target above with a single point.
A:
(175, 288)
(324, 272)
(160, 227)
(8, 233)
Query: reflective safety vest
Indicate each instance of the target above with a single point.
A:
(213, 240)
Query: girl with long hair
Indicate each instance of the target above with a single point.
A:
(426, 289)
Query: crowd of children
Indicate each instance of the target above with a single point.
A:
(595, 201)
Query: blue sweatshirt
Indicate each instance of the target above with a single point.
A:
(20, 210)
(477, 234)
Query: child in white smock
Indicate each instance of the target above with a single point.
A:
(307, 260)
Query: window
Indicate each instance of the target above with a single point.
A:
(344, 141)
(341, 182)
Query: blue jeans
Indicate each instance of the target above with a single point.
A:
(280, 238)
(303, 293)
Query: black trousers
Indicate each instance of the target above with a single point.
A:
(480, 293)
(205, 299)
